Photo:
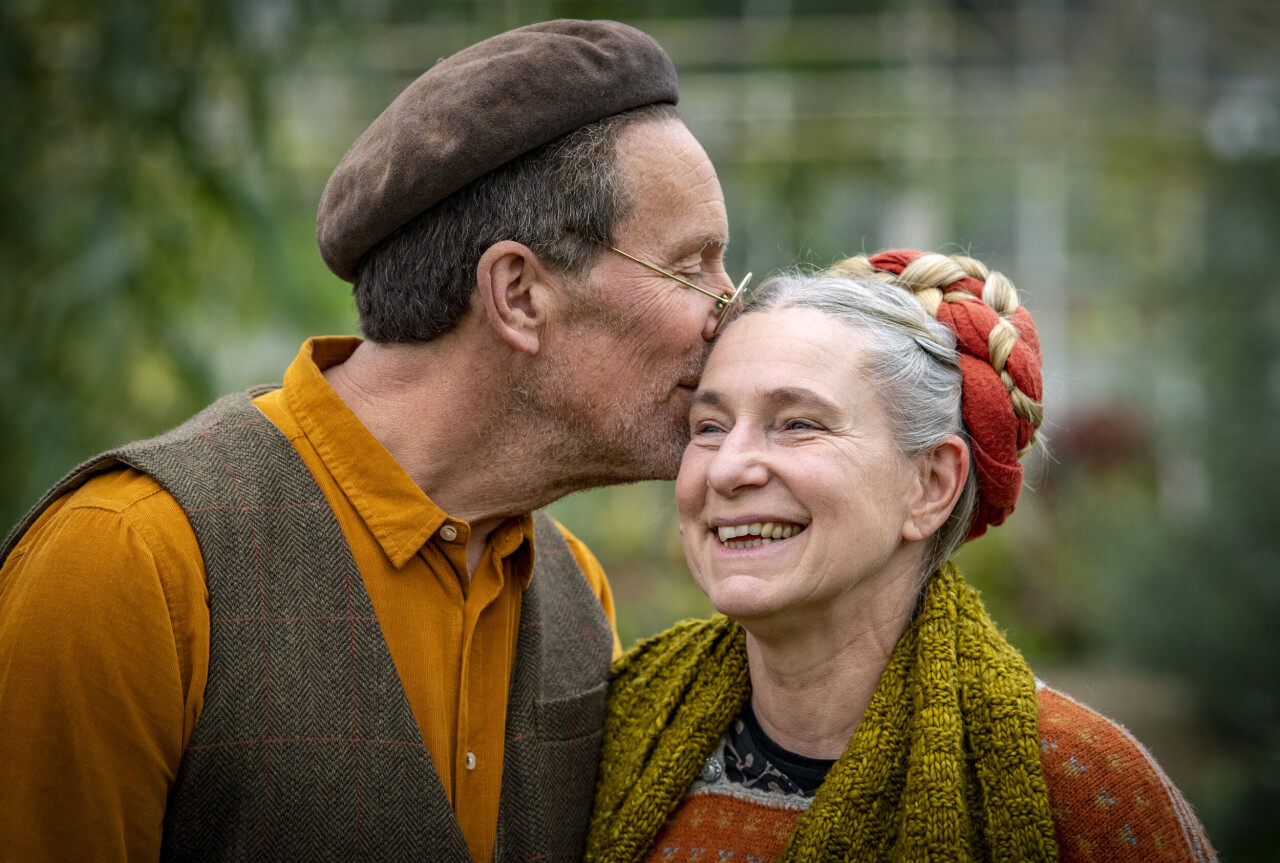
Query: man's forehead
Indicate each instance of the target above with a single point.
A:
(662, 150)
(673, 185)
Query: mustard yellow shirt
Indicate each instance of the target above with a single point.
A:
(104, 635)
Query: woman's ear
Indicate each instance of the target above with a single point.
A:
(509, 279)
(940, 478)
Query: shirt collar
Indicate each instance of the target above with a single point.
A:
(513, 540)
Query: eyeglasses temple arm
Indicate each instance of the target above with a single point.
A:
(719, 298)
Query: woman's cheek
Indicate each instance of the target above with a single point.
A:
(690, 487)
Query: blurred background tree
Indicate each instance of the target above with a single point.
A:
(1119, 159)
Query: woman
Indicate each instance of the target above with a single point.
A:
(851, 430)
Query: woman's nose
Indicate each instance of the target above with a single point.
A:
(738, 464)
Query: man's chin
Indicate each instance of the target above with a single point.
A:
(669, 465)
(657, 455)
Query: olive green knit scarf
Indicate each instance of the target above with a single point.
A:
(945, 764)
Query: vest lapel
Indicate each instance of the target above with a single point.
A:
(555, 709)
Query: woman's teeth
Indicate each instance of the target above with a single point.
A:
(757, 533)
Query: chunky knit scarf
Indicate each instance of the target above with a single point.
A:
(945, 764)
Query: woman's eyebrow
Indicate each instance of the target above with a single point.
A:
(779, 397)
(791, 396)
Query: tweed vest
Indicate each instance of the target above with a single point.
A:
(306, 747)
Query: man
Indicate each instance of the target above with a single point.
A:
(311, 623)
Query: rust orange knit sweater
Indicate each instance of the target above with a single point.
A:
(1110, 800)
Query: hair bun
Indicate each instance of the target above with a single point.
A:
(999, 359)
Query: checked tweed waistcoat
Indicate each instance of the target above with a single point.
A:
(306, 748)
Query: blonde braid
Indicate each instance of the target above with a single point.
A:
(928, 276)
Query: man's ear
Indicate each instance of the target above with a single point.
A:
(940, 478)
(509, 279)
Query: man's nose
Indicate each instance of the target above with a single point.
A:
(712, 323)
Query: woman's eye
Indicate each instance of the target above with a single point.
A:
(707, 428)
(800, 425)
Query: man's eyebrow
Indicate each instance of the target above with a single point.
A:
(698, 244)
(702, 242)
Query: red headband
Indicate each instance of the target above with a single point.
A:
(997, 433)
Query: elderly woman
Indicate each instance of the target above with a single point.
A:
(851, 430)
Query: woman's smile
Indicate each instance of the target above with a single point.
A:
(756, 533)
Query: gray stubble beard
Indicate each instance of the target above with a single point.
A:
(625, 450)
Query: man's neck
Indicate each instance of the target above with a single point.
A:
(442, 410)
(429, 411)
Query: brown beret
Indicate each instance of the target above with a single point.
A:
(477, 110)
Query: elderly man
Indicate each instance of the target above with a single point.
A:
(320, 621)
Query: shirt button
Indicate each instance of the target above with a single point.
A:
(471, 761)
(448, 533)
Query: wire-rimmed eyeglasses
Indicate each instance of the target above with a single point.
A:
(724, 303)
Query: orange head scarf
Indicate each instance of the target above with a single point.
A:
(999, 360)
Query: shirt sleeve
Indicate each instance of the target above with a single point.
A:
(95, 676)
(594, 572)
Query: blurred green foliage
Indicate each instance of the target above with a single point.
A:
(1120, 160)
(147, 238)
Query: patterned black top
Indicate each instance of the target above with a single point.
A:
(753, 760)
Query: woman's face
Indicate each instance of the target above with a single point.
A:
(793, 498)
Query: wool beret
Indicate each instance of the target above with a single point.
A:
(477, 110)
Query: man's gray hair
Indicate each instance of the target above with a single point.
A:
(912, 363)
(418, 283)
